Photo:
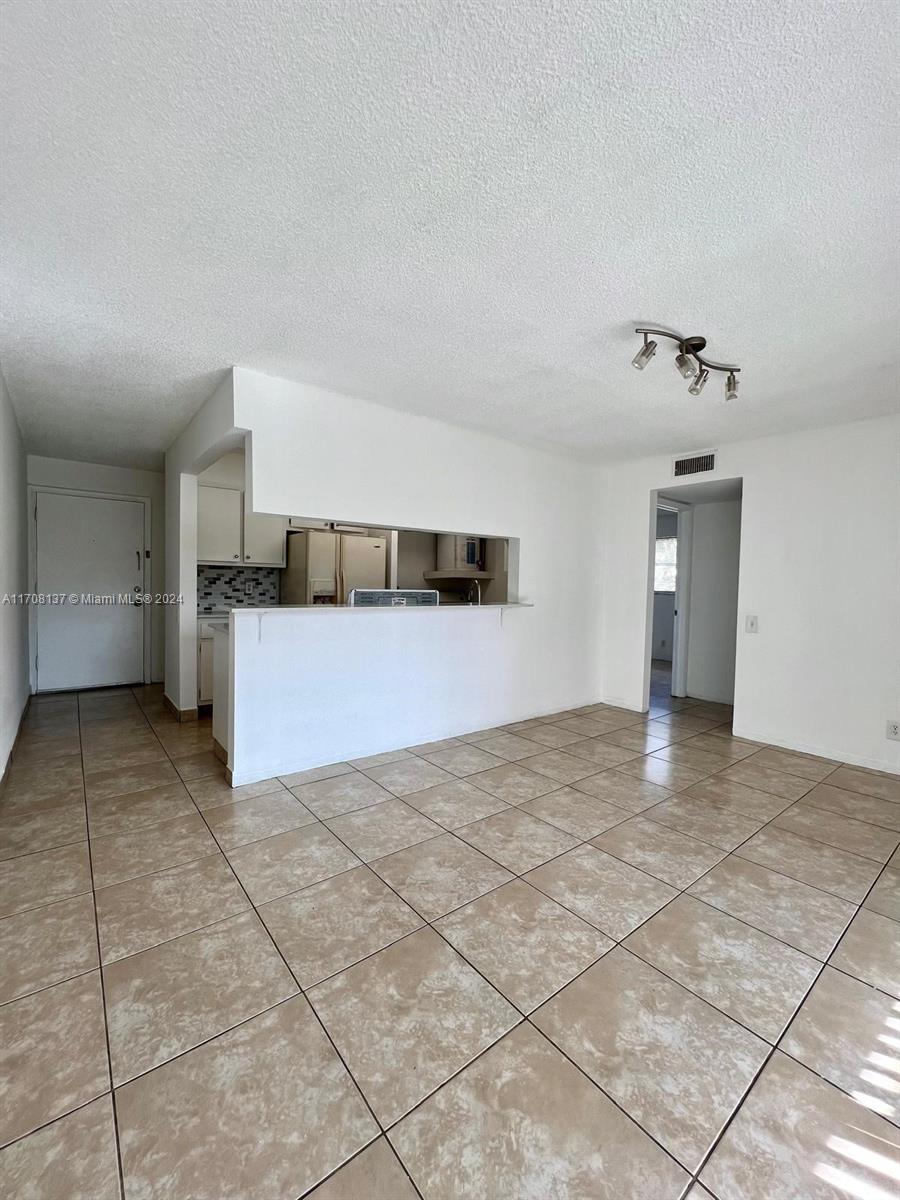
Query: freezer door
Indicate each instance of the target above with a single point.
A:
(363, 564)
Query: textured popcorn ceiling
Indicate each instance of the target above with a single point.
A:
(455, 208)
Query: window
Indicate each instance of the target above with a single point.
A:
(666, 564)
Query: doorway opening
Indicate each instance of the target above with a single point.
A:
(695, 559)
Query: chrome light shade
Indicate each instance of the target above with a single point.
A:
(644, 355)
(686, 365)
(731, 387)
(699, 382)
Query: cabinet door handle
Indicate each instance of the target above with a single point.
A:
(236, 556)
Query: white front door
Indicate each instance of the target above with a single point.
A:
(87, 546)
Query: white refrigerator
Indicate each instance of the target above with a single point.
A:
(323, 567)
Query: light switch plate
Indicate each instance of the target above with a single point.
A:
(751, 624)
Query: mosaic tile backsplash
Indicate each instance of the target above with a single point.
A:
(225, 587)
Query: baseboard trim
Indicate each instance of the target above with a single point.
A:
(854, 760)
(180, 714)
(220, 752)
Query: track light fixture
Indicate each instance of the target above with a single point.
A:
(644, 355)
(699, 382)
(689, 360)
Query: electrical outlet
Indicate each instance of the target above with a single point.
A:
(248, 589)
(751, 624)
(893, 731)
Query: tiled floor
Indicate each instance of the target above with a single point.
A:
(591, 955)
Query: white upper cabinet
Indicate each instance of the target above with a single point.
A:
(264, 539)
(219, 513)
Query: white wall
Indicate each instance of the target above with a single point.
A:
(118, 481)
(210, 434)
(321, 685)
(333, 457)
(819, 566)
(712, 637)
(14, 685)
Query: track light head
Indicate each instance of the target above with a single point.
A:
(685, 365)
(644, 355)
(731, 387)
(699, 382)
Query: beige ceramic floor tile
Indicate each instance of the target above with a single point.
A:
(553, 736)
(74, 1158)
(514, 783)
(135, 752)
(314, 774)
(807, 766)
(671, 776)
(337, 922)
(38, 879)
(805, 917)
(382, 829)
(290, 861)
(47, 945)
(440, 874)
(408, 1018)
(455, 804)
(52, 1054)
(664, 853)
(510, 746)
(477, 736)
(560, 766)
(743, 972)
(523, 1122)
(517, 840)
(870, 950)
(410, 775)
(854, 804)
(600, 752)
(138, 810)
(464, 759)
(656, 1049)
(844, 833)
(122, 780)
(768, 779)
(733, 748)
(738, 798)
(289, 1118)
(523, 943)
(177, 995)
(339, 794)
(577, 813)
(199, 766)
(843, 1032)
(210, 793)
(704, 820)
(797, 1136)
(610, 894)
(143, 912)
(634, 795)
(28, 832)
(825, 867)
(869, 783)
(252, 820)
(686, 755)
(152, 848)
(587, 726)
(376, 1174)
(46, 784)
(884, 897)
(636, 740)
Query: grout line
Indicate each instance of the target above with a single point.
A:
(109, 1066)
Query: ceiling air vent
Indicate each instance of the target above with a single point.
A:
(694, 464)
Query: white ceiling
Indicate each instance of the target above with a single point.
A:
(455, 208)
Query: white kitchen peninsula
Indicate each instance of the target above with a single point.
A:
(302, 687)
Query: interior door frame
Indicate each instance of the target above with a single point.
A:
(34, 490)
(682, 619)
